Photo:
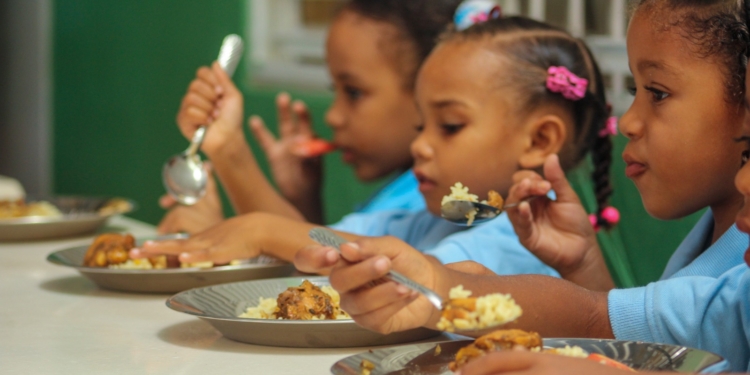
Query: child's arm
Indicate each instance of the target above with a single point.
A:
(213, 99)
(552, 307)
(525, 362)
(240, 237)
(558, 232)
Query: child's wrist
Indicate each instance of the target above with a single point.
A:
(229, 149)
(591, 273)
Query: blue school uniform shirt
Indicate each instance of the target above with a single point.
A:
(702, 300)
(401, 193)
(494, 244)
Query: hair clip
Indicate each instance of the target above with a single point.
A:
(473, 12)
(610, 128)
(562, 81)
(610, 215)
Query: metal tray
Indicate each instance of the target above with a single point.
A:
(80, 216)
(171, 280)
(220, 305)
(420, 359)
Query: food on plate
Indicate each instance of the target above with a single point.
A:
(112, 250)
(11, 190)
(304, 302)
(366, 367)
(496, 341)
(459, 192)
(464, 312)
(438, 350)
(19, 208)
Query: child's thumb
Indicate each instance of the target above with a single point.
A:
(225, 81)
(556, 176)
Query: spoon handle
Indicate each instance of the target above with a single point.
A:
(326, 237)
(229, 56)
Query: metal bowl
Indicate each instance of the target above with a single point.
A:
(421, 359)
(171, 280)
(80, 215)
(220, 305)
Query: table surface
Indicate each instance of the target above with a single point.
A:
(55, 321)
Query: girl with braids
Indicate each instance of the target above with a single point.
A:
(495, 98)
(689, 61)
(373, 52)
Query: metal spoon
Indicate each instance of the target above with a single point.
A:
(456, 211)
(183, 174)
(326, 237)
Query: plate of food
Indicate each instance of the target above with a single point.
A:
(444, 357)
(106, 263)
(24, 219)
(300, 312)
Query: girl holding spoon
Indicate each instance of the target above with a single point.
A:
(471, 108)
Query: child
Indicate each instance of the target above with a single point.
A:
(374, 50)
(687, 109)
(481, 124)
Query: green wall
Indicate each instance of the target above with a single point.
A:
(121, 67)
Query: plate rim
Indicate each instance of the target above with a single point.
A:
(68, 218)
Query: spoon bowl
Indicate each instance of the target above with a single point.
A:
(457, 211)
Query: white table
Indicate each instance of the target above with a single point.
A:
(55, 321)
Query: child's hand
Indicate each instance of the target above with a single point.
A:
(297, 174)
(357, 275)
(517, 362)
(558, 232)
(232, 239)
(204, 214)
(212, 99)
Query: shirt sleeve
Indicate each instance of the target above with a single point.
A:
(707, 313)
(495, 245)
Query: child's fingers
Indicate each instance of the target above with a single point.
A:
(224, 84)
(556, 176)
(265, 138)
(304, 119)
(193, 99)
(207, 75)
(166, 201)
(314, 259)
(526, 175)
(190, 118)
(355, 276)
(286, 118)
(203, 89)
(381, 320)
(368, 300)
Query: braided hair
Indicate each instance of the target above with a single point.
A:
(419, 23)
(533, 47)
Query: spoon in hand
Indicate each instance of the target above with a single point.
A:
(183, 174)
(458, 211)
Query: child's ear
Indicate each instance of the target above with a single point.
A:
(547, 136)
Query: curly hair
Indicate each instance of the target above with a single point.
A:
(419, 23)
(717, 29)
(532, 47)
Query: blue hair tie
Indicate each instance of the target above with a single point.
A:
(472, 12)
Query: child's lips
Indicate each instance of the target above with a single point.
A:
(634, 169)
(425, 184)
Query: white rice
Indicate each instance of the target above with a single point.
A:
(571, 351)
(491, 310)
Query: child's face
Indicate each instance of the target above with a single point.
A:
(742, 180)
(373, 113)
(680, 152)
(470, 135)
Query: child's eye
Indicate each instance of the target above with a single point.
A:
(451, 129)
(744, 138)
(657, 94)
(353, 93)
(419, 128)
(632, 90)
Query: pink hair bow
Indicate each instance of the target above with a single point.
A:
(562, 81)
(610, 128)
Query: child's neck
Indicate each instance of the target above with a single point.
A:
(725, 214)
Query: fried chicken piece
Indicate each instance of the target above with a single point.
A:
(304, 302)
(494, 199)
(108, 248)
(496, 341)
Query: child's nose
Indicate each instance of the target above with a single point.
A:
(630, 125)
(421, 149)
(334, 116)
(742, 181)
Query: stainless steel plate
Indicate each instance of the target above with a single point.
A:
(170, 280)
(80, 216)
(220, 305)
(420, 359)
